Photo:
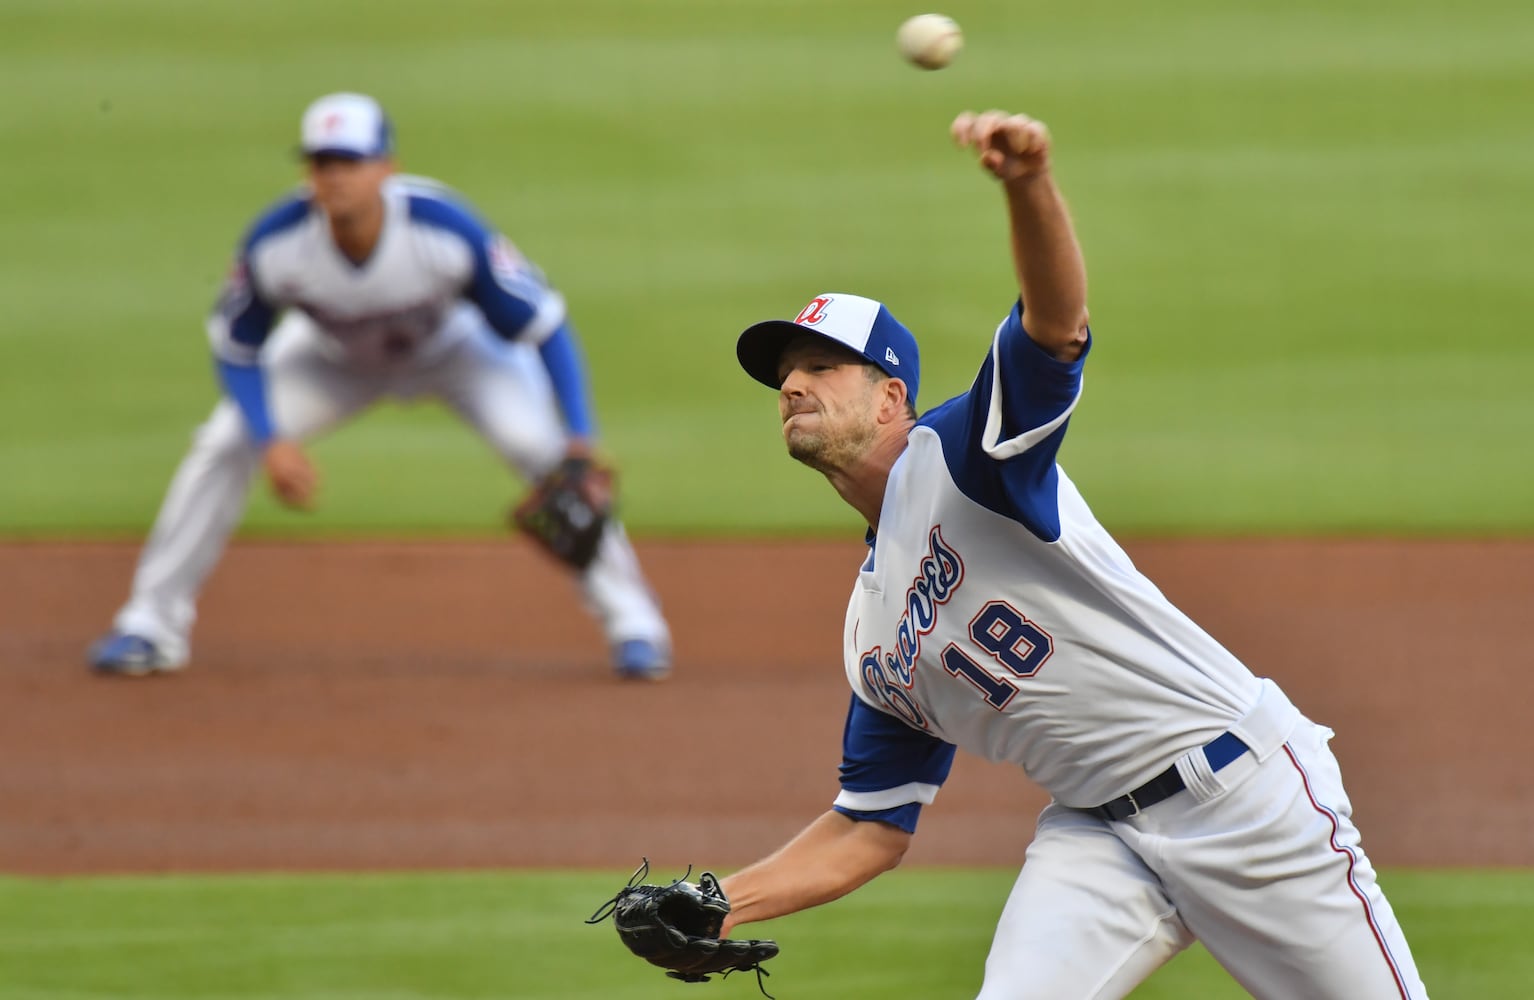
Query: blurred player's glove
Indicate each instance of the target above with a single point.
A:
(567, 510)
(677, 926)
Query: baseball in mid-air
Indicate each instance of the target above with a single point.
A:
(929, 40)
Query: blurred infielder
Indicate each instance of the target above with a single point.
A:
(360, 286)
(1191, 799)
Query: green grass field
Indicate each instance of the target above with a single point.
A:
(491, 935)
(1307, 232)
(1306, 227)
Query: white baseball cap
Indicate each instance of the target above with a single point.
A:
(863, 325)
(353, 126)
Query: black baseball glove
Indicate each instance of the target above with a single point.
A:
(676, 927)
(567, 510)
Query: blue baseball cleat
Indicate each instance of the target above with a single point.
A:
(122, 654)
(641, 660)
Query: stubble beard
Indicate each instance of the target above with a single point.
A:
(827, 452)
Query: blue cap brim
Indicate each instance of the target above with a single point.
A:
(761, 346)
(340, 154)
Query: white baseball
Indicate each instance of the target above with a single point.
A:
(929, 40)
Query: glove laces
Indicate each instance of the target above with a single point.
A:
(606, 909)
(708, 884)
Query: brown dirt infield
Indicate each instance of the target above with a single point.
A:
(386, 706)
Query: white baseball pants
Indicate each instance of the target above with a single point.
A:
(500, 389)
(1260, 861)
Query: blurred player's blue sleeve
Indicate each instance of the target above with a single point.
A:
(561, 356)
(889, 770)
(510, 291)
(238, 327)
(246, 385)
(243, 319)
(519, 305)
(507, 287)
(515, 299)
(516, 302)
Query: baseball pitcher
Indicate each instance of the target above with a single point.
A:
(1190, 798)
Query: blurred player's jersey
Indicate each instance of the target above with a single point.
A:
(995, 614)
(435, 266)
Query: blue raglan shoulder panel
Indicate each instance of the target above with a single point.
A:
(1034, 390)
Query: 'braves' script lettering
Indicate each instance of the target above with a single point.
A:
(890, 674)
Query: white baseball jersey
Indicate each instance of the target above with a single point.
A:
(995, 614)
(433, 255)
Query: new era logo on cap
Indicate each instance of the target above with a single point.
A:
(349, 125)
(863, 325)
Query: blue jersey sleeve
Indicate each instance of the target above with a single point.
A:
(889, 770)
(1001, 438)
(243, 318)
(246, 385)
(561, 356)
(515, 299)
(507, 287)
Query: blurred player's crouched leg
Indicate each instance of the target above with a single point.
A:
(502, 390)
(616, 589)
(310, 392)
(204, 503)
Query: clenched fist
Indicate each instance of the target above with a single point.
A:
(1012, 147)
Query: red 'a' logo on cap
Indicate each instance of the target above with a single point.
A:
(814, 312)
(332, 121)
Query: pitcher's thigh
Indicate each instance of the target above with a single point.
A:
(1086, 920)
(1287, 900)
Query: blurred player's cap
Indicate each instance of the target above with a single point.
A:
(861, 324)
(353, 126)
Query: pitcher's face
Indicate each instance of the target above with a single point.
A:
(827, 402)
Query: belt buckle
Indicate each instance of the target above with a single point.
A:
(1131, 797)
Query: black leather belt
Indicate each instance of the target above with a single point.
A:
(1220, 751)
